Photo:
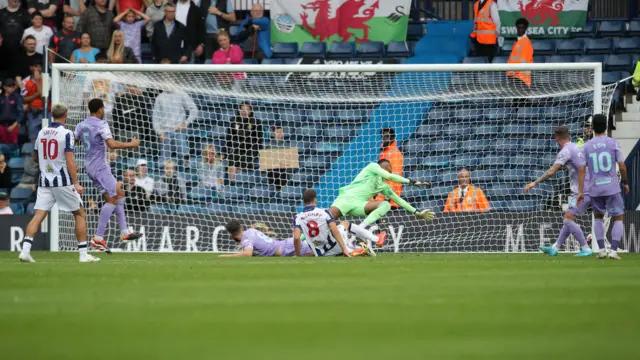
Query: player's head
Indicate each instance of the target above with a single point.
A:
(385, 164)
(464, 178)
(96, 108)
(235, 229)
(563, 135)
(522, 25)
(310, 198)
(9, 86)
(388, 137)
(245, 111)
(599, 124)
(59, 112)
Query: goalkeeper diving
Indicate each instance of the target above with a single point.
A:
(354, 199)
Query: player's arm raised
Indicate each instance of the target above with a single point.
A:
(296, 240)
(336, 234)
(115, 144)
(247, 252)
(425, 214)
(547, 174)
(378, 170)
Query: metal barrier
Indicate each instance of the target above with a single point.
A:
(632, 200)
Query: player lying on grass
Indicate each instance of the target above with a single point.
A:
(58, 183)
(571, 157)
(601, 182)
(95, 135)
(256, 243)
(354, 199)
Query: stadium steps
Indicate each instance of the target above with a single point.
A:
(628, 127)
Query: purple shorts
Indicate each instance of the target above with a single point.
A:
(288, 249)
(104, 180)
(611, 204)
(578, 209)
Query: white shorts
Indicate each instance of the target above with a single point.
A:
(66, 197)
(336, 250)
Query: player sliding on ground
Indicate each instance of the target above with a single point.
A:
(570, 156)
(58, 183)
(601, 182)
(256, 243)
(95, 136)
(353, 199)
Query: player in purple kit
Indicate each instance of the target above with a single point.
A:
(95, 135)
(601, 153)
(570, 156)
(256, 243)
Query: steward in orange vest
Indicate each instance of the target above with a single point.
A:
(521, 53)
(389, 151)
(466, 197)
(486, 27)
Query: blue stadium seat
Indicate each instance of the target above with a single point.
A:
(232, 192)
(522, 160)
(351, 115)
(599, 46)
(610, 77)
(547, 160)
(415, 31)
(280, 208)
(634, 28)
(416, 146)
(500, 60)
(493, 160)
(537, 145)
(581, 114)
(590, 58)
(438, 114)
(528, 113)
(27, 148)
(433, 205)
(483, 176)
(499, 206)
(292, 193)
(262, 193)
(499, 113)
(342, 50)
(250, 208)
(458, 130)
(475, 60)
(435, 160)
(447, 176)
(292, 61)
(193, 209)
(424, 175)
(588, 32)
(315, 162)
(487, 130)
(507, 46)
(234, 29)
(439, 192)
(247, 177)
(501, 191)
(285, 50)
(523, 205)
(309, 132)
(412, 161)
(249, 61)
(162, 209)
(18, 209)
(466, 160)
(561, 59)
(475, 145)
(543, 190)
(570, 47)
(626, 45)
(507, 145)
(612, 28)
(415, 193)
(31, 208)
(398, 49)
(466, 115)
(20, 193)
(515, 175)
(293, 116)
(619, 62)
(270, 116)
(313, 49)
(16, 163)
(339, 133)
(544, 47)
(327, 147)
(371, 49)
(557, 112)
(444, 146)
(322, 115)
(429, 130)
(304, 178)
(273, 61)
(516, 129)
(540, 59)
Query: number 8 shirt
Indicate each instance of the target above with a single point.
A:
(314, 223)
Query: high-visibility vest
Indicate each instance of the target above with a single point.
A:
(636, 76)
(484, 29)
(522, 53)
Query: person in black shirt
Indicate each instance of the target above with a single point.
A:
(244, 141)
(169, 39)
(64, 42)
(13, 21)
(137, 197)
(22, 67)
(48, 10)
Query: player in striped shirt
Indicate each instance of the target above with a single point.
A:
(58, 183)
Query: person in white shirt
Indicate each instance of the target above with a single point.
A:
(41, 32)
(5, 209)
(172, 114)
(142, 178)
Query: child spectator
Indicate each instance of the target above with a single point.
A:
(32, 98)
(11, 112)
(5, 209)
(132, 29)
(40, 32)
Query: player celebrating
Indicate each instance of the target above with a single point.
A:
(94, 133)
(572, 157)
(58, 183)
(353, 199)
(602, 182)
(256, 243)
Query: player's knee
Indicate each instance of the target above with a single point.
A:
(385, 206)
(80, 213)
(598, 216)
(618, 218)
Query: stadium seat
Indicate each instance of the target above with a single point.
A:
(398, 49)
(313, 49)
(487, 130)
(475, 145)
(544, 47)
(435, 160)
(31, 208)
(309, 133)
(448, 177)
(304, 178)
(292, 193)
(429, 130)
(424, 175)
(339, 133)
(522, 160)
(540, 59)
(588, 32)
(262, 193)
(528, 113)
(416, 146)
(475, 60)
(516, 129)
(558, 112)
(466, 115)
(433, 205)
(20, 193)
(321, 115)
(415, 31)
(499, 205)
(500, 60)
(590, 58)
(27, 148)
(634, 28)
(342, 50)
(251, 208)
(414, 194)
(493, 160)
(412, 161)
(232, 192)
(506, 146)
(284, 50)
(247, 177)
(327, 147)
(234, 29)
(370, 49)
(543, 190)
(351, 115)
(466, 160)
(18, 209)
(439, 192)
(618, 62)
(570, 47)
(315, 162)
(458, 130)
(250, 61)
(16, 163)
(498, 113)
(293, 116)
(523, 205)
(599, 46)
(292, 61)
(507, 47)
(612, 28)
(483, 176)
(610, 77)
(561, 59)
(626, 45)
(515, 175)
(443, 146)
(274, 61)
(537, 145)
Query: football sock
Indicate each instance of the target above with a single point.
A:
(362, 233)
(376, 214)
(564, 233)
(121, 218)
(82, 248)
(26, 245)
(598, 229)
(616, 234)
(105, 215)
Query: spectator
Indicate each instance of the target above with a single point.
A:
(132, 29)
(190, 16)
(123, 5)
(210, 173)
(22, 67)
(118, 53)
(11, 112)
(142, 176)
(256, 34)
(155, 11)
(97, 20)
(389, 151)
(32, 98)
(227, 54)
(466, 197)
(47, 9)
(278, 138)
(243, 142)
(218, 15)
(521, 53)
(5, 174)
(5, 209)
(173, 111)
(42, 33)
(86, 54)
(65, 42)
(170, 38)
(13, 21)
(30, 175)
(130, 112)
(5, 59)
(171, 189)
(74, 8)
(137, 196)
(114, 162)
(278, 177)
(486, 28)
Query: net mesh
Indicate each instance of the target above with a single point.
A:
(219, 146)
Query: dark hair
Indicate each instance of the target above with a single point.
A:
(95, 105)
(308, 196)
(36, 13)
(382, 161)
(233, 227)
(562, 132)
(522, 21)
(101, 56)
(29, 37)
(389, 131)
(599, 123)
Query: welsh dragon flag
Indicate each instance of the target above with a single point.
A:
(547, 18)
(339, 20)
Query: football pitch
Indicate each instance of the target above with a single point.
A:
(200, 306)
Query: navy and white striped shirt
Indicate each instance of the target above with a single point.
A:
(52, 145)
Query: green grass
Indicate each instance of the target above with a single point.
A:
(199, 306)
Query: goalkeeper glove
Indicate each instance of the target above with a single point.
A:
(419, 183)
(426, 215)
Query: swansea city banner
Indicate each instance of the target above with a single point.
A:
(547, 18)
(339, 20)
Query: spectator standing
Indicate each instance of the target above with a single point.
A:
(29, 57)
(190, 16)
(118, 53)
(130, 112)
(75, 8)
(13, 21)
(256, 34)
(42, 33)
(5, 209)
(389, 151)
(142, 176)
(170, 38)
(137, 196)
(32, 98)
(172, 188)
(228, 54)
(47, 9)
(278, 177)
(5, 174)
(218, 14)
(486, 28)
(30, 175)
(173, 111)
(466, 197)
(66, 41)
(210, 173)
(521, 53)
(244, 141)
(85, 54)
(11, 112)
(132, 29)
(155, 12)
(5, 59)
(97, 20)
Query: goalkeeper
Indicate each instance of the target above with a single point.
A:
(353, 199)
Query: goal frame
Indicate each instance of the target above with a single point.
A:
(57, 69)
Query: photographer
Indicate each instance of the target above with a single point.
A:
(256, 35)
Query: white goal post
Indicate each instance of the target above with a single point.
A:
(253, 137)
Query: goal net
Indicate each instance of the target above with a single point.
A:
(243, 142)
